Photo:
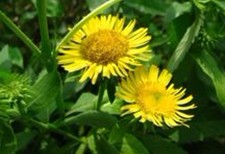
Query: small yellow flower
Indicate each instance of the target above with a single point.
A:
(105, 46)
(152, 98)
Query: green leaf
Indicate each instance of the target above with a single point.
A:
(116, 135)
(185, 44)
(94, 4)
(103, 146)
(87, 101)
(92, 118)
(45, 91)
(208, 123)
(4, 58)
(24, 138)
(177, 9)
(155, 7)
(16, 56)
(132, 145)
(210, 67)
(112, 108)
(200, 4)
(99, 145)
(10, 56)
(8, 143)
(92, 144)
(220, 4)
(81, 149)
(156, 144)
(54, 7)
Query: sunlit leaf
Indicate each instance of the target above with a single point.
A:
(113, 108)
(86, 101)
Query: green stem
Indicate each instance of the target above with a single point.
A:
(43, 24)
(86, 19)
(53, 128)
(64, 133)
(19, 33)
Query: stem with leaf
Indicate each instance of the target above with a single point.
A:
(43, 24)
(20, 34)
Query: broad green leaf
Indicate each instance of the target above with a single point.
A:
(92, 118)
(87, 101)
(8, 143)
(177, 9)
(185, 43)
(45, 91)
(153, 7)
(132, 145)
(116, 135)
(156, 144)
(210, 67)
(112, 108)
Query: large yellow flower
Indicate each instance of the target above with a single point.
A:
(105, 46)
(152, 98)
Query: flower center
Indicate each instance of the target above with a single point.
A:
(104, 46)
(155, 99)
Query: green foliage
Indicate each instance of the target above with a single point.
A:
(132, 145)
(209, 65)
(8, 142)
(44, 109)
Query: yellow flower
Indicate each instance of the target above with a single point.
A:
(152, 98)
(105, 46)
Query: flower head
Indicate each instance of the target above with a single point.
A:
(152, 98)
(15, 86)
(105, 46)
